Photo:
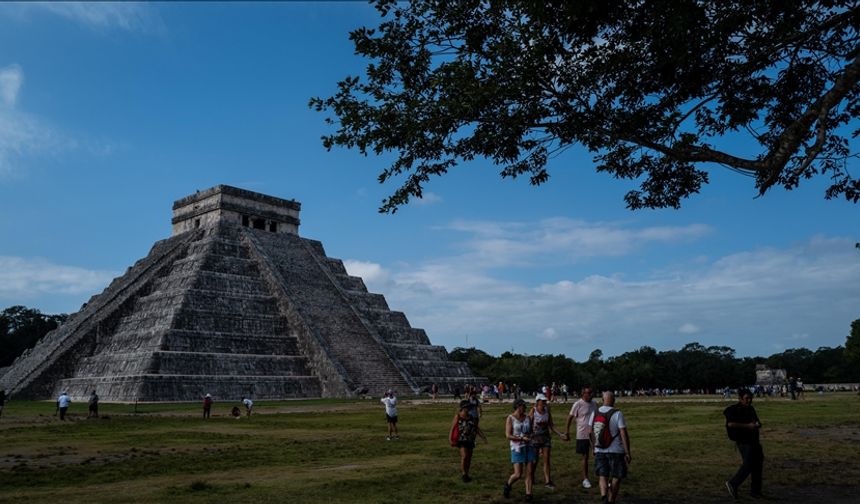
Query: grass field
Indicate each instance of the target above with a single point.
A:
(331, 451)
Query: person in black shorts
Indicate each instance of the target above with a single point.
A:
(581, 412)
(464, 431)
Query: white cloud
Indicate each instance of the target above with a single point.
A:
(20, 133)
(26, 278)
(23, 135)
(426, 199)
(688, 328)
(549, 333)
(11, 78)
(563, 239)
(746, 300)
(372, 273)
(128, 16)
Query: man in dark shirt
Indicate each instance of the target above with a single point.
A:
(742, 426)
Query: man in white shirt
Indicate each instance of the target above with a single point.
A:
(390, 402)
(610, 461)
(249, 405)
(63, 403)
(581, 411)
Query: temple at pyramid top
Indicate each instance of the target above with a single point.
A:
(239, 206)
(235, 303)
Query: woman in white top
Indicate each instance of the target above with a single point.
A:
(518, 430)
(542, 437)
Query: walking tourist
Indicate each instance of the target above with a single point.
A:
(581, 412)
(611, 447)
(518, 431)
(475, 408)
(390, 402)
(63, 403)
(464, 430)
(541, 440)
(743, 426)
(434, 390)
(249, 405)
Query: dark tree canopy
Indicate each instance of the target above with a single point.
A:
(653, 89)
(21, 328)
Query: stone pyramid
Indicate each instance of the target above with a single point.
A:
(235, 303)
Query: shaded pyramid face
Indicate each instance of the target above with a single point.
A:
(238, 306)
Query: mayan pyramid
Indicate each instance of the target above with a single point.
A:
(234, 303)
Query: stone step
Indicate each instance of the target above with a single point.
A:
(351, 284)
(239, 343)
(404, 351)
(214, 321)
(152, 387)
(191, 363)
(366, 301)
(421, 368)
(386, 317)
(401, 335)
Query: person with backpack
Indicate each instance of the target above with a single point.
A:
(464, 431)
(611, 447)
(742, 427)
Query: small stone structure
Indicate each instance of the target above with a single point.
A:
(766, 376)
(234, 303)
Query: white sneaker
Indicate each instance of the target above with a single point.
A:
(586, 483)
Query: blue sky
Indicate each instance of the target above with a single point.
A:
(110, 112)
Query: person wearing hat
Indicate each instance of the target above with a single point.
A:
(464, 430)
(63, 403)
(390, 402)
(541, 440)
(207, 405)
(518, 431)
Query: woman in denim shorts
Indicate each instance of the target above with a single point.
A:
(518, 430)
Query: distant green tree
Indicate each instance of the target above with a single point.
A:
(852, 343)
(21, 328)
(648, 87)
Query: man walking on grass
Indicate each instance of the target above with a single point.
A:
(743, 426)
(611, 448)
(581, 411)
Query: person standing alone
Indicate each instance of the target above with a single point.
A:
(390, 402)
(742, 427)
(93, 404)
(63, 403)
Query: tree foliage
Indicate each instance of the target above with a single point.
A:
(650, 88)
(21, 328)
(852, 344)
(693, 367)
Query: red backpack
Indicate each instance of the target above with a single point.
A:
(600, 432)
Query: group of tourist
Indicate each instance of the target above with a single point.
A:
(601, 430)
(235, 412)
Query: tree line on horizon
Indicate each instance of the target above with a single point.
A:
(694, 367)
